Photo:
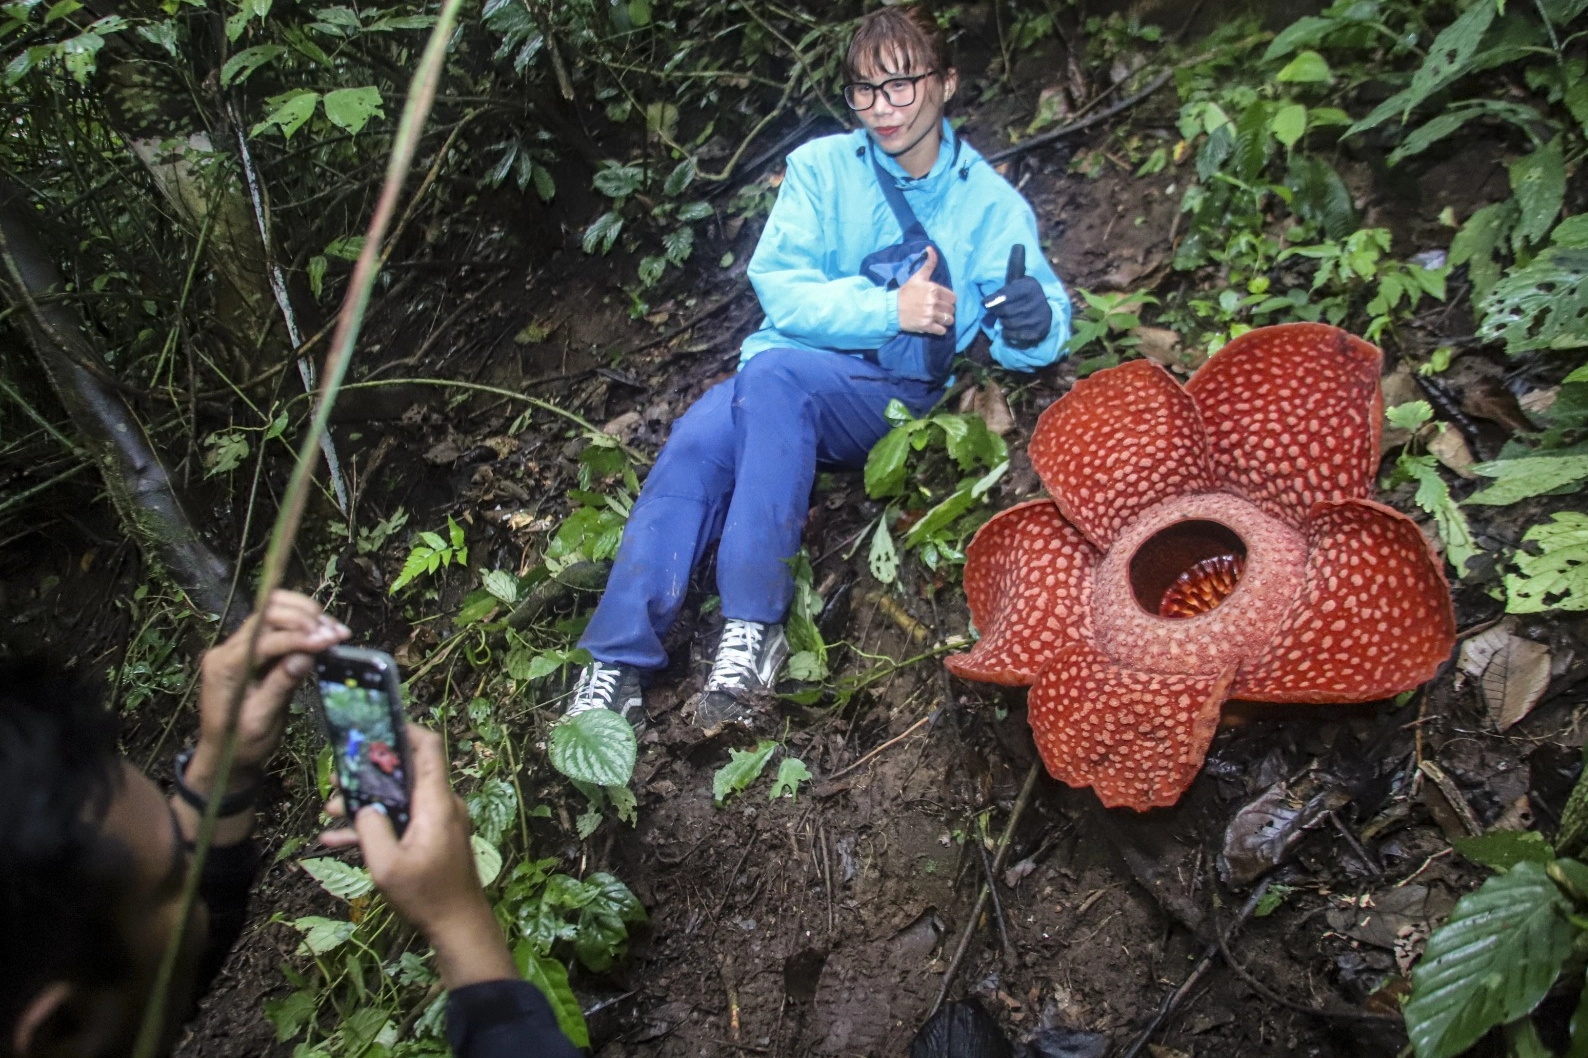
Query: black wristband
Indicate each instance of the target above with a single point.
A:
(231, 804)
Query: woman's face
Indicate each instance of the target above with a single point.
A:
(910, 134)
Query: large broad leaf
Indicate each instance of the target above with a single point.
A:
(1449, 57)
(1436, 129)
(337, 878)
(321, 934)
(551, 977)
(596, 746)
(1491, 963)
(1556, 577)
(743, 768)
(487, 860)
(1520, 479)
(885, 466)
(291, 111)
(1538, 180)
(1542, 306)
(1475, 245)
(1504, 849)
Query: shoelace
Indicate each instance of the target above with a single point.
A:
(596, 690)
(736, 655)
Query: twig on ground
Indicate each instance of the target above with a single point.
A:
(1085, 123)
(1203, 964)
(1007, 948)
(1357, 847)
(894, 741)
(690, 324)
(981, 900)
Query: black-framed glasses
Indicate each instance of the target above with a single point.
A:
(899, 91)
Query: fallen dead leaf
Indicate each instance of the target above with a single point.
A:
(1512, 672)
(1158, 1050)
(1446, 804)
(1450, 448)
(1538, 401)
(623, 426)
(1517, 816)
(1158, 343)
(1399, 388)
(987, 400)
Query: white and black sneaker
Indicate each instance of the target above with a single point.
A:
(614, 687)
(748, 658)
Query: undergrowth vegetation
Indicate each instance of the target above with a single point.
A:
(153, 146)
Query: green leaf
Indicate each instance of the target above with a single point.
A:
(502, 584)
(1436, 129)
(341, 880)
(551, 977)
(1556, 577)
(160, 33)
(1433, 496)
(545, 184)
(1475, 245)
(1307, 67)
(1409, 416)
(351, 108)
(619, 181)
(1272, 897)
(321, 934)
(743, 768)
(1449, 57)
(1539, 182)
(1301, 33)
(692, 211)
(1289, 123)
(1491, 963)
(487, 860)
(317, 267)
(602, 232)
(678, 244)
(940, 517)
(790, 773)
(291, 111)
(1541, 306)
(883, 558)
(805, 666)
(885, 465)
(291, 1014)
(1504, 849)
(651, 269)
(240, 66)
(492, 809)
(596, 746)
(1520, 479)
(680, 178)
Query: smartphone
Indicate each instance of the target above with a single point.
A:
(361, 699)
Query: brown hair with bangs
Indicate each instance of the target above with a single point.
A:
(891, 34)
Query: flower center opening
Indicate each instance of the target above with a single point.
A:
(1187, 569)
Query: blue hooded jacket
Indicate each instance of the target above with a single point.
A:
(830, 213)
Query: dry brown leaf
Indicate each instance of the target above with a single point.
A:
(988, 401)
(1450, 448)
(1398, 388)
(1158, 343)
(1538, 401)
(1515, 679)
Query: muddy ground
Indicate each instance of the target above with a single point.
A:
(825, 925)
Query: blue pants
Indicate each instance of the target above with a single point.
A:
(739, 467)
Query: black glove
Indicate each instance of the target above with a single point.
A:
(1021, 304)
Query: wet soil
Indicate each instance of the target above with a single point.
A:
(825, 924)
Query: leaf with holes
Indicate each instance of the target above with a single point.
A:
(743, 768)
(1555, 576)
(1449, 57)
(596, 746)
(1542, 306)
(1490, 963)
(351, 108)
(341, 880)
(291, 111)
(883, 558)
(1475, 245)
(1521, 479)
(240, 66)
(1539, 182)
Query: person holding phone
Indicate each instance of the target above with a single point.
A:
(94, 859)
(888, 250)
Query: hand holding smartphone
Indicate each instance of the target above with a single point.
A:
(361, 700)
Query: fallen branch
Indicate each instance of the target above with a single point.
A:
(1068, 130)
(981, 900)
(894, 741)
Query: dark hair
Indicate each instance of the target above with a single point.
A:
(891, 33)
(59, 772)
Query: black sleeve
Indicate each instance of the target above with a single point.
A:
(229, 873)
(504, 1019)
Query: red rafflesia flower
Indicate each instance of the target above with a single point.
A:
(1203, 543)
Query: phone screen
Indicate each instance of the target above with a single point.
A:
(367, 752)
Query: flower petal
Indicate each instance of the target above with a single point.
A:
(1294, 416)
(1137, 738)
(1121, 441)
(1374, 618)
(1028, 578)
